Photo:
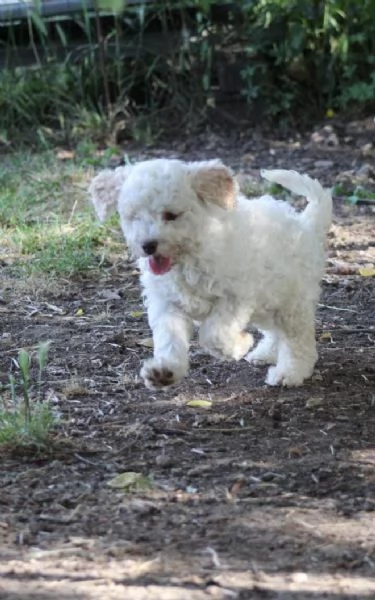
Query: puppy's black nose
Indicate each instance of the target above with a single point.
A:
(150, 247)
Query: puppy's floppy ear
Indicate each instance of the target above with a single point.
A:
(213, 182)
(105, 188)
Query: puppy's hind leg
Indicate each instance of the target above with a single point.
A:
(297, 354)
(266, 351)
(223, 333)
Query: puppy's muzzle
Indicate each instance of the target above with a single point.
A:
(150, 247)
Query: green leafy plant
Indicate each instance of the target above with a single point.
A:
(26, 421)
(354, 194)
(296, 60)
(310, 55)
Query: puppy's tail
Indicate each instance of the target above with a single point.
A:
(318, 212)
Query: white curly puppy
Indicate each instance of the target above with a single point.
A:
(209, 255)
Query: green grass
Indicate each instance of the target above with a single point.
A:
(16, 432)
(61, 250)
(47, 225)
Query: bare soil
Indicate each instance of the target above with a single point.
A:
(270, 493)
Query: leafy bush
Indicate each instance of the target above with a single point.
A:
(296, 59)
(315, 55)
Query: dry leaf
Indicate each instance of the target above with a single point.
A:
(295, 452)
(136, 314)
(110, 295)
(79, 312)
(57, 309)
(314, 402)
(326, 335)
(199, 404)
(130, 480)
(342, 268)
(65, 155)
(147, 342)
(367, 271)
(236, 487)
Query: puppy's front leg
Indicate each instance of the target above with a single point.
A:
(171, 331)
(223, 332)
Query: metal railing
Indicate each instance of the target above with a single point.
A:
(13, 10)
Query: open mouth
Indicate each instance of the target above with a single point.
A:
(159, 264)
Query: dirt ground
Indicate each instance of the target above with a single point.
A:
(269, 493)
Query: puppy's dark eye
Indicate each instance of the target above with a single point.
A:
(169, 216)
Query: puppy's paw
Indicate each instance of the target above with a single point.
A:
(288, 378)
(158, 374)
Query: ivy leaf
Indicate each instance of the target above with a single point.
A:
(130, 481)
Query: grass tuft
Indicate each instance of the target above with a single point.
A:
(18, 431)
(26, 422)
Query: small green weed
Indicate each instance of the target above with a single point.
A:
(25, 420)
(276, 190)
(251, 189)
(356, 195)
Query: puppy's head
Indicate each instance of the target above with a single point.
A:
(165, 205)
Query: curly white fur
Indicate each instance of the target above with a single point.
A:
(209, 255)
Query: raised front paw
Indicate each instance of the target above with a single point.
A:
(158, 374)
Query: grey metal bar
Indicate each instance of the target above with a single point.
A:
(11, 10)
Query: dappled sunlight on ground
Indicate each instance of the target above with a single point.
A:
(256, 493)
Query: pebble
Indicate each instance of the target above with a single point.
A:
(163, 460)
(365, 170)
(139, 506)
(367, 149)
(314, 402)
(323, 164)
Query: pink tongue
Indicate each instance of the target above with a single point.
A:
(159, 264)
